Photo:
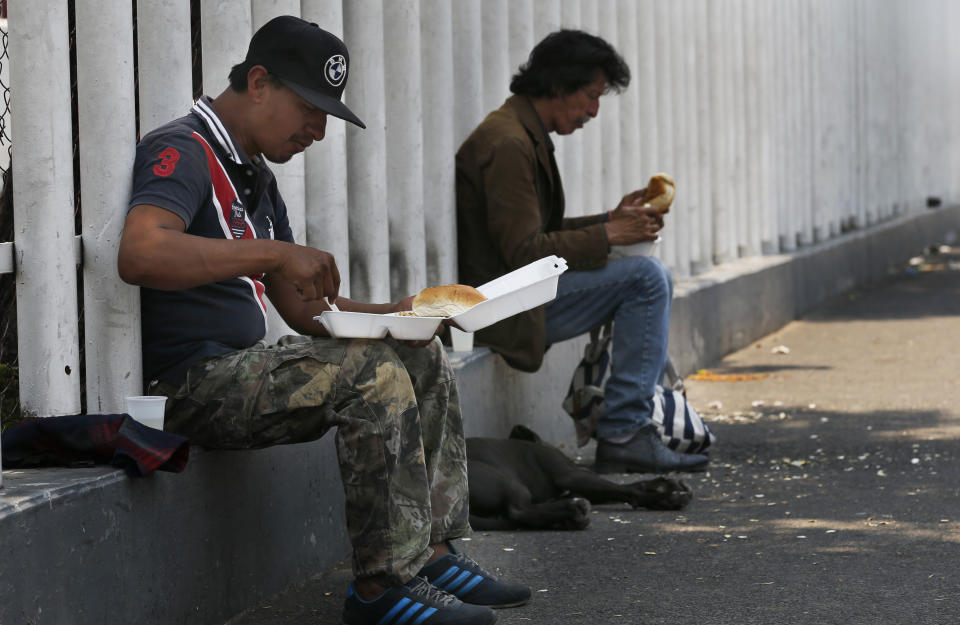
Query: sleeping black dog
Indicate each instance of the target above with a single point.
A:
(522, 482)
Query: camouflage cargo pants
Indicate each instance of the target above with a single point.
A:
(399, 433)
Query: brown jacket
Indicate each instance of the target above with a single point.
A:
(510, 213)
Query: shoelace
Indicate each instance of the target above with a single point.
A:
(420, 586)
(472, 562)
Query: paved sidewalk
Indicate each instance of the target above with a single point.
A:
(833, 494)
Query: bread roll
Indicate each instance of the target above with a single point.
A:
(659, 193)
(446, 301)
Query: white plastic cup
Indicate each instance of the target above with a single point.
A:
(147, 409)
(462, 341)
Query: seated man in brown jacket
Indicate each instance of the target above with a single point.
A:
(510, 212)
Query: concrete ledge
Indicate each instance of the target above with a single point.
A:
(91, 546)
(729, 307)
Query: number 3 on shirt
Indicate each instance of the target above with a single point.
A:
(168, 162)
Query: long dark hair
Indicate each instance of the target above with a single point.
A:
(567, 60)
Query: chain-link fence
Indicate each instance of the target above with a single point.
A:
(9, 387)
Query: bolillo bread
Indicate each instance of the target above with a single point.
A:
(446, 301)
(659, 193)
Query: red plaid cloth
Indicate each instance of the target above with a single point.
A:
(83, 440)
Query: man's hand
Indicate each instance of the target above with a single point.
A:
(633, 224)
(312, 272)
(630, 200)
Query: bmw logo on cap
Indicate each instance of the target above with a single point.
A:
(335, 70)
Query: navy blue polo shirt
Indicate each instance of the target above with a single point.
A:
(193, 167)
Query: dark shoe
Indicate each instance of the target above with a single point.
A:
(645, 453)
(459, 575)
(416, 602)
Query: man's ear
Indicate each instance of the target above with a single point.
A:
(258, 80)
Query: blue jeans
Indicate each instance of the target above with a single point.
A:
(636, 292)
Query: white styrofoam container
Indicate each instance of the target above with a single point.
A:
(644, 248)
(356, 325)
(515, 292)
(512, 293)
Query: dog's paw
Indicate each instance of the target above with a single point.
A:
(662, 494)
(579, 510)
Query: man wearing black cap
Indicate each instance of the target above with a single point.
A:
(207, 237)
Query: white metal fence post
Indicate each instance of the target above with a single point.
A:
(46, 272)
(325, 177)
(404, 145)
(166, 88)
(571, 146)
(436, 62)
(107, 124)
(366, 152)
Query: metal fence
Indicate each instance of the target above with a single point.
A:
(9, 389)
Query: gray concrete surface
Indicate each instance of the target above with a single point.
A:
(832, 495)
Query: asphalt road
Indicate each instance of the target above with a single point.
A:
(832, 495)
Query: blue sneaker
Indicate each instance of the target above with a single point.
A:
(457, 574)
(414, 603)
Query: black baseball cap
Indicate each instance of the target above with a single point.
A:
(307, 59)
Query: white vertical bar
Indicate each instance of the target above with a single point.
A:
(702, 252)
(663, 79)
(573, 145)
(436, 58)
(858, 113)
(754, 57)
(677, 247)
(165, 70)
(592, 168)
(106, 119)
(547, 19)
(520, 35)
(795, 130)
(225, 30)
(47, 323)
(495, 29)
(720, 168)
(871, 112)
(807, 97)
(766, 103)
(631, 176)
(467, 68)
(738, 107)
(644, 72)
(366, 153)
(780, 117)
(612, 185)
(404, 139)
(819, 87)
(325, 204)
(835, 126)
